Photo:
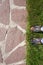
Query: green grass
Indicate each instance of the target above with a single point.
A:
(35, 17)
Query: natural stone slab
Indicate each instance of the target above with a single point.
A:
(1, 59)
(2, 34)
(4, 12)
(19, 17)
(20, 2)
(17, 55)
(14, 37)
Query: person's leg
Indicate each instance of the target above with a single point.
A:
(36, 41)
(37, 28)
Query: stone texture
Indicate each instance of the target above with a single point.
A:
(19, 17)
(16, 56)
(2, 34)
(22, 64)
(20, 2)
(14, 37)
(1, 59)
(0, 2)
(4, 11)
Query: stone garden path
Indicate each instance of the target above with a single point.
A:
(12, 32)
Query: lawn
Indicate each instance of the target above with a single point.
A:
(35, 17)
